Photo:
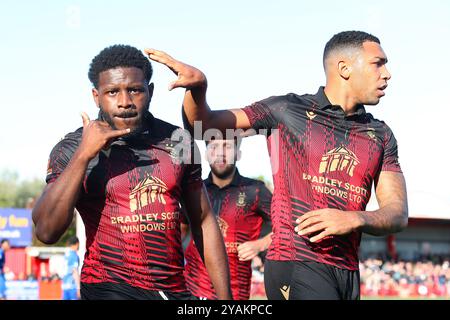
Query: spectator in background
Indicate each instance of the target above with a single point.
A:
(71, 278)
(242, 206)
(4, 246)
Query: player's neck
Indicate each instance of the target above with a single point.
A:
(338, 95)
(223, 182)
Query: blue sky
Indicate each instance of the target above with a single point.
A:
(248, 49)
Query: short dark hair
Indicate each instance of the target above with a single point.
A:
(3, 241)
(348, 39)
(119, 55)
(237, 141)
(72, 240)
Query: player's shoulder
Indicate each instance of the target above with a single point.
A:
(251, 181)
(377, 123)
(70, 140)
(290, 100)
(163, 129)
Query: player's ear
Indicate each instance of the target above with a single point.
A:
(344, 69)
(96, 96)
(238, 155)
(150, 87)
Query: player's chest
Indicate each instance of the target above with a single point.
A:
(235, 205)
(328, 145)
(122, 170)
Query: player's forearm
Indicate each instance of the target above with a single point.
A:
(195, 108)
(216, 260)
(389, 219)
(54, 210)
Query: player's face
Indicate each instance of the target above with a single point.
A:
(369, 74)
(222, 156)
(6, 246)
(123, 97)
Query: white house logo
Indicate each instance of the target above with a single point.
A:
(223, 225)
(150, 190)
(339, 159)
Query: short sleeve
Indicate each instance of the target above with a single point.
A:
(193, 171)
(264, 202)
(265, 114)
(60, 157)
(390, 156)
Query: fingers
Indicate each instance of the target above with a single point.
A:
(85, 118)
(308, 222)
(173, 85)
(246, 251)
(320, 236)
(247, 257)
(117, 133)
(158, 56)
(312, 229)
(306, 216)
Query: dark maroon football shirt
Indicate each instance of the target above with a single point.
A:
(241, 208)
(130, 206)
(321, 158)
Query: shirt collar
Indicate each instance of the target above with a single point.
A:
(325, 104)
(235, 182)
(141, 137)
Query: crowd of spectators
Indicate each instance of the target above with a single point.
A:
(424, 277)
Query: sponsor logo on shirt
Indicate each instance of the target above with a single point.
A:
(339, 159)
(223, 225)
(148, 191)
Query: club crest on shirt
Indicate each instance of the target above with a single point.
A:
(339, 159)
(311, 115)
(149, 190)
(241, 199)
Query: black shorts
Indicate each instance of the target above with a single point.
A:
(121, 291)
(308, 280)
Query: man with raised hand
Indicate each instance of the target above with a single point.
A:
(123, 174)
(327, 152)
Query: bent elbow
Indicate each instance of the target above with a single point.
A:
(46, 237)
(402, 223)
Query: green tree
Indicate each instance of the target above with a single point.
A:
(27, 191)
(8, 188)
(22, 194)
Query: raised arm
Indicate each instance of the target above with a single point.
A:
(208, 239)
(391, 217)
(53, 212)
(195, 107)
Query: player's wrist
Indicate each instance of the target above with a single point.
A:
(359, 221)
(82, 156)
